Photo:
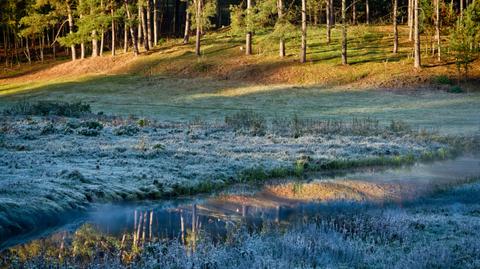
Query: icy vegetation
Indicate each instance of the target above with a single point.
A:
(51, 164)
(439, 231)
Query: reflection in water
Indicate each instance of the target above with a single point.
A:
(127, 229)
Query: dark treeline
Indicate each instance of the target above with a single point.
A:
(35, 30)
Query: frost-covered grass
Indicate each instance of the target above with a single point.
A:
(64, 164)
(437, 231)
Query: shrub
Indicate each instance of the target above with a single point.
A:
(247, 121)
(442, 79)
(45, 108)
(455, 89)
(398, 126)
(92, 125)
(48, 129)
(88, 132)
(128, 130)
(143, 122)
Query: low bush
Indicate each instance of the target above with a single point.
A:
(127, 130)
(46, 108)
(444, 80)
(455, 89)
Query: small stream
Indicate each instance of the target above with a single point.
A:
(281, 202)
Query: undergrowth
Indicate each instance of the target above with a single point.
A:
(48, 108)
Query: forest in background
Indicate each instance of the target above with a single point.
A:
(34, 30)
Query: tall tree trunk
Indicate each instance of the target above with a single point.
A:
(280, 18)
(42, 45)
(145, 30)
(354, 12)
(94, 41)
(15, 47)
(328, 11)
(461, 9)
(410, 20)
(82, 45)
(417, 59)
(102, 42)
(437, 28)
(82, 50)
(112, 13)
(132, 32)
(395, 30)
(70, 26)
(344, 32)
(367, 12)
(27, 52)
(54, 46)
(94, 44)
(197, 19)
(139, 29)
(5, 45)
(125, 37)
(102, 36)
(303, 52)
(248, 38)
(155, 22)
(186, 33)
(149, 26)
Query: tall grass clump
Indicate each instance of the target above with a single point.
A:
(247, 122)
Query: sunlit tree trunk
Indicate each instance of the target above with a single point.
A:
(280, 18)
(437, 28)
(102, 36)
(461, 9)
(248, 38)
(94, 44)
(303, 52)
(367, 12)
(197, 20)
(125, 37)
(328, 10)
(146, 42)
(102, 42)
(149, 26)
(354, 13)
(410, 20)
(395, 29)
(344, 32)
(139, 29)
(155, 22)
(70, 26)
(112, 13)
(417, 60)
(132, 32)
(186, 33)
(94, 40)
